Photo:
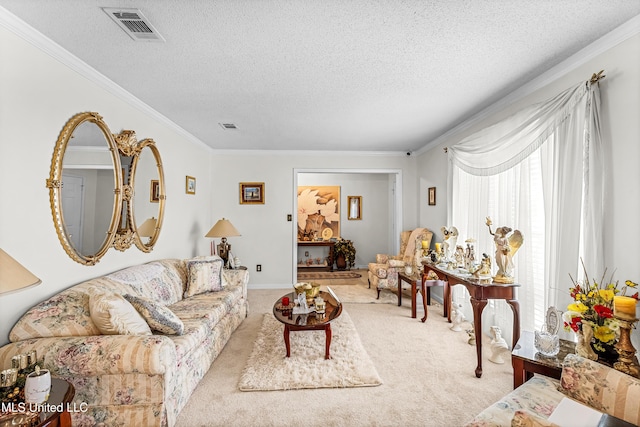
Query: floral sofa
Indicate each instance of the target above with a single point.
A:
(590, 383)
(138, 372)
(383, 274)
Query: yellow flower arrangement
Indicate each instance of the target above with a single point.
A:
(593, 304)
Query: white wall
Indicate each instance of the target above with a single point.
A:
(38, 96)
(620, 92)
(267, 236)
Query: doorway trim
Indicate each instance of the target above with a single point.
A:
(396, 222)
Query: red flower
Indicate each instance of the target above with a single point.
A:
(604, 312)
(575, 291)
(575, 324)
(635, 295)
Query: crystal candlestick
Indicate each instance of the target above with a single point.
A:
(626, 361)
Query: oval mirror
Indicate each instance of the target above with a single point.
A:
(85, 188)
(147, 208)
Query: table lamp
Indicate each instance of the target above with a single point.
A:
(13, 275)
(223, 229)
(148, 227)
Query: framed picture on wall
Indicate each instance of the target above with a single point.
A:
(432, 196)
(190, 185)
(155, 191)
(251, 193)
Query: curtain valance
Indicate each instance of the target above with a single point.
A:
(500, 147)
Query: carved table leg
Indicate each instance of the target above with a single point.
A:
(286, 340)
(327, 332)
(423, 291)
(478, 306)
(515, 307)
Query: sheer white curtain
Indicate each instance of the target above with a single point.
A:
(540, 171)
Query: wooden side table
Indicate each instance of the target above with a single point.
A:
(60, 397)
(527, 361)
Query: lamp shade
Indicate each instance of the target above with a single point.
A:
(13, 275)
(223, 228)
(148, 228)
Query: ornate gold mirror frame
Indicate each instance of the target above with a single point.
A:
(145, 178)
(55, 183)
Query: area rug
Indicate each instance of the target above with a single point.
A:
(320, 275)
(268, 369)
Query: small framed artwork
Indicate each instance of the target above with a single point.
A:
(191, 185)
(251, 193)
(432, 196)
(354, 207)
(155, 191)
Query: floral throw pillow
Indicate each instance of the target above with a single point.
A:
(204, 275)
(158, 317)
(114, 315)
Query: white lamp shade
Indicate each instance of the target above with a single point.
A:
(223, 228)
(13, 275)
(148, 228)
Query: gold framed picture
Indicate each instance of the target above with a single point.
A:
(251, 193)
(190, 185)
(154, 192)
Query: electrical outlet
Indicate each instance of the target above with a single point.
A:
(289, 217)
(258, 267)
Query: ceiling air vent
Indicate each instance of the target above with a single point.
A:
(228, 126)
(134, 23)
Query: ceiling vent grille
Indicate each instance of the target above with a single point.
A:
(134, 23)
(228, 126)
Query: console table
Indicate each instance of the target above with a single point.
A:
(480, 294)
(328, 243)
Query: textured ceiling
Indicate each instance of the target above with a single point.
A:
(325, 75)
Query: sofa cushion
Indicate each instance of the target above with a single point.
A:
(158, 317)
(607, 390)
(524, 418)
(114, 315)
(204, 275)
(159, 280)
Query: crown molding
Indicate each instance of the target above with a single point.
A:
(40, 41)
(604, 43)
(222, 151)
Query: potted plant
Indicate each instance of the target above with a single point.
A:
(345, 254)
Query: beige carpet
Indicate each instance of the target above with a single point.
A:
(269, 369)
(428, 373)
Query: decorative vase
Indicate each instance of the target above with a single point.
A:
(341, 262)
(608, 356)
(583, 346)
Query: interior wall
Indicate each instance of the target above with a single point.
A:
(267, 237)
(39, 95)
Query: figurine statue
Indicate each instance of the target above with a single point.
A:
(498, 345)
(450, 239)
(458, 317)
(459, 256)
(507, 244)
(485, 267)
(472, 336)
(583, 347)
(469, 255)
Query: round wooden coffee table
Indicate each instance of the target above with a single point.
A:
(310, 321)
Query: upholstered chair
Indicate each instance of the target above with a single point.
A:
(383, 274)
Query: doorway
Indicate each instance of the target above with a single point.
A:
(394, 205)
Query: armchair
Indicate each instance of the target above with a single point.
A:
(383, 274)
